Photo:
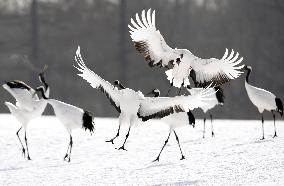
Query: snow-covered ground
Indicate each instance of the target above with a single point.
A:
(235, 156)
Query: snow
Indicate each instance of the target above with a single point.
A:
(236, 156)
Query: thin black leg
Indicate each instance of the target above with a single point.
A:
(67, 152)
(117, 134)
(172, 83)
(182, 156)
(127, 135)
(179, 91)
(27, 146)
(69, 149)
(275, 134)
(204, 127)
(262, 120)
(158, 158)
(23, 148)
(168, 93)
(71, 145)
(212, 131)
(66, 155)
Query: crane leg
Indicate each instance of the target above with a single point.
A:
(212, 131)
(117, 134)
(262, 120)
(179, 91)
(71, 145)
(23, 148)
(69, 149)
(168, 93)
(275, 134)
(204, 127)
(27, 146)
(158, 158)
(182, 156)
(127, 135)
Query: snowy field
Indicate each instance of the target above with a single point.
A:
(235, 156)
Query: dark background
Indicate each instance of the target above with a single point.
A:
(38, 32)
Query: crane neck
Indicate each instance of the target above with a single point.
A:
(248, 74)
(121, 86)
(41, 90)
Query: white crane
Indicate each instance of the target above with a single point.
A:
(263, 100)
(174, 121)
(151, 44)
(133, 105)
(217, 99)
(71, 117)
(28, 105)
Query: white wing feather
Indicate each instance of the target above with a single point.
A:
(216, 71)
(96, 81)
(25, 99)
(149, 42)
(151, 106)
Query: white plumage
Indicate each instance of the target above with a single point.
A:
(133, 105)
(28, 105)
(151, 44)
(263, 100)
(71, 117)
(174, 121)
(216, 99)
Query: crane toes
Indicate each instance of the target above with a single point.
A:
(182, 157)
(122, 148)
(66, 156)
(213, 134)
(111, 141)
(262, 138)
(275, 135)
(157, 159)
(29, 157)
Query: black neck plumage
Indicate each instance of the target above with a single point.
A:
(43, 81)
(121, 86)
(248, 73)
(41, 90)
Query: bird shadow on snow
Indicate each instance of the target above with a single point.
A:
(194, 182)
(11, 168)
(254, 142)
(152, 165)
(63, 164)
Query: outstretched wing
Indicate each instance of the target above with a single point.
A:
(23, 94)
(97, 82)
(163, 106)
(216, 71)
(149, 42)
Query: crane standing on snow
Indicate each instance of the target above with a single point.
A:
(28, 105)
(71, 117)
(263, 100)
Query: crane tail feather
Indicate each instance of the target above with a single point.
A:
(279, 106)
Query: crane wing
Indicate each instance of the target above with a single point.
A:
(160, 107)
(97, 82)
(216, 71)
(23, 94)
(149, 42)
